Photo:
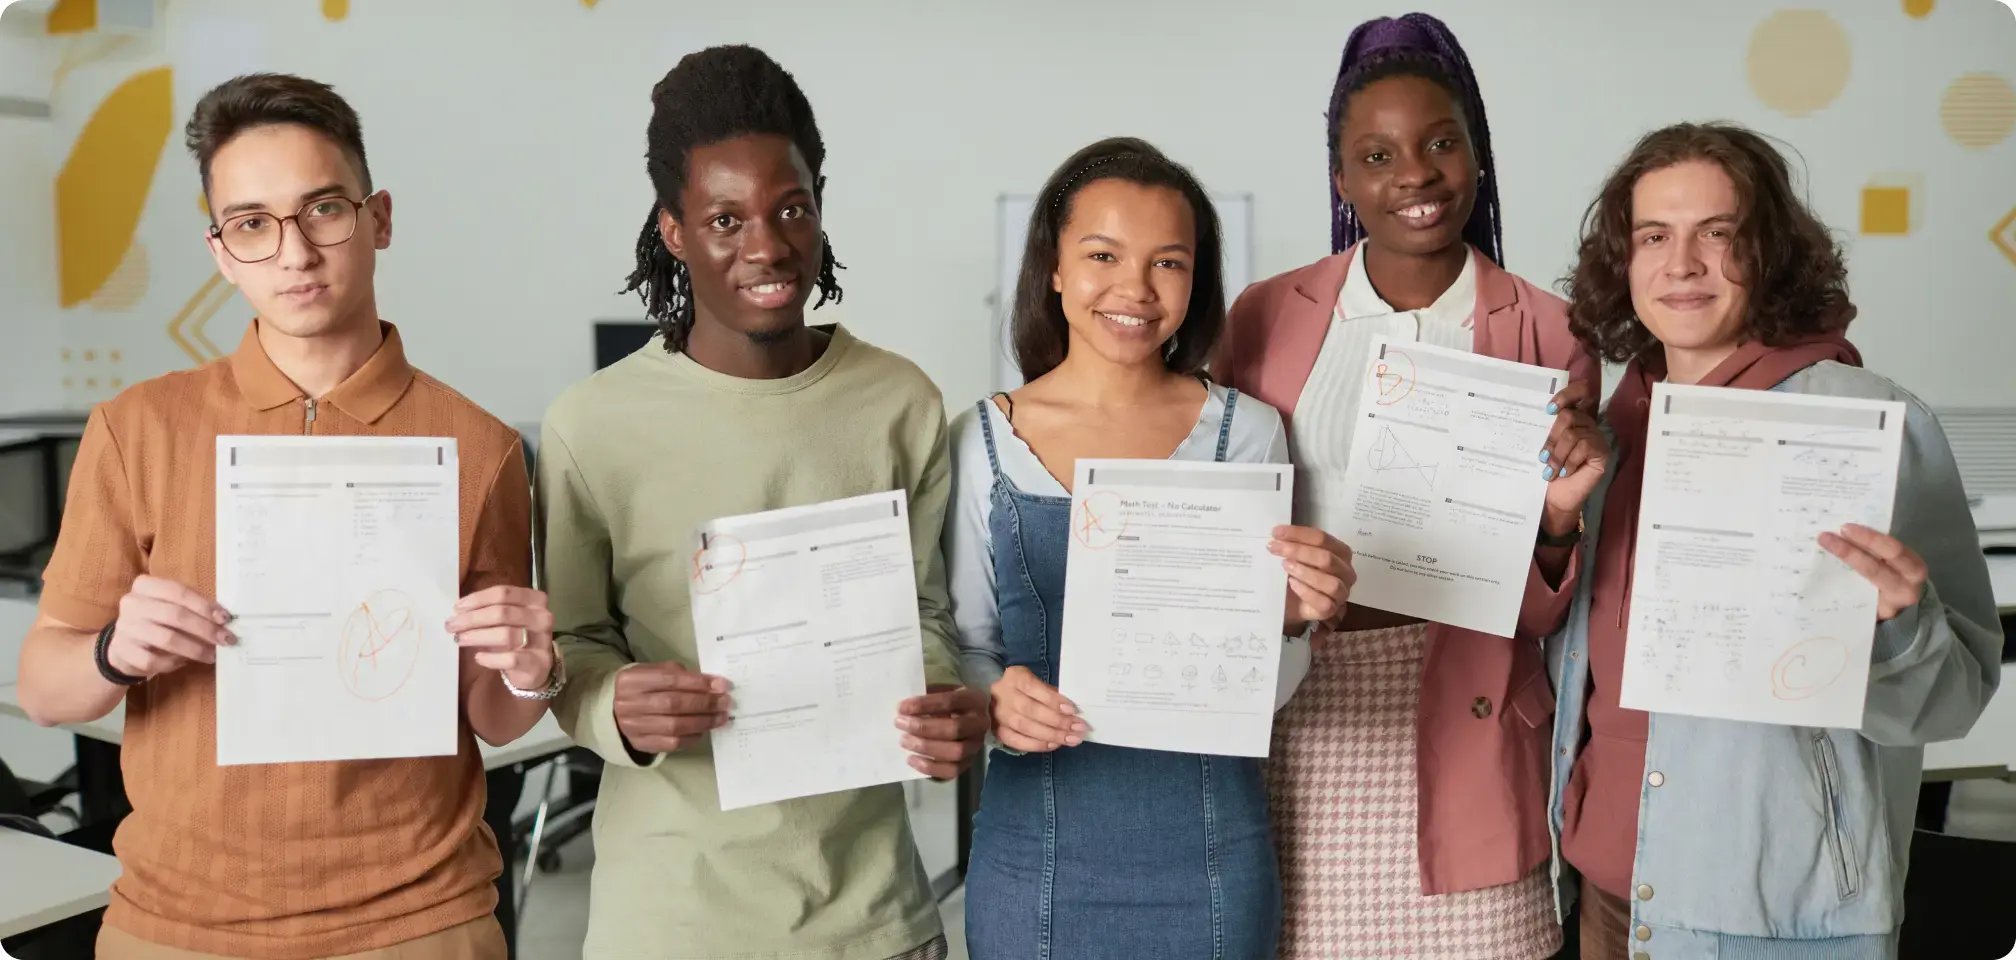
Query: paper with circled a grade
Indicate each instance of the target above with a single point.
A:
(339, 558)
(810, 613)
(1173, 604)
(1736, 610)
(1444, 483)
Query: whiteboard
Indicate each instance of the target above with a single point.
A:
(1011, 225)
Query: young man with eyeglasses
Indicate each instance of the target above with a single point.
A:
(304, 860)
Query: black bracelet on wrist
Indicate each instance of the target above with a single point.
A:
(105, 667)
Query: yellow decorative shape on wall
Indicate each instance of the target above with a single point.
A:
(1978, 110)
(1886, 211)
(102, 188)
(127, 284)
(186, 327)
(335, 10)
(1798, 61)
(73, 16)
(1919, 9)
(2004, 235)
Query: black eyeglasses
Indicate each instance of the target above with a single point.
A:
(324, 222)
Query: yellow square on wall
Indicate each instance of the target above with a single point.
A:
(1886, 211)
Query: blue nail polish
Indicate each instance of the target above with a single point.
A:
(1553, 407)
(1547, 472)
(1543, 456)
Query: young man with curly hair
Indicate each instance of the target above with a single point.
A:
(1704, 838)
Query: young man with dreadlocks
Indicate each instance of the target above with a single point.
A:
(737, 407)
(1445, 726)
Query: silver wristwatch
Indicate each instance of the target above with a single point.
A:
(554, 682)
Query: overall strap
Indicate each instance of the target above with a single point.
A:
(987, 431)
(1225, 424)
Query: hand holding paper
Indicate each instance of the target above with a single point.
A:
(665, 708)
(944, 729)
(1031, 716)
(1898, 571)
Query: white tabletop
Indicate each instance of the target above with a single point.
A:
(46, 881)
(544, 738)
(2002, 580)
(1989, 750)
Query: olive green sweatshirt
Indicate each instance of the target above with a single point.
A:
(633, 459)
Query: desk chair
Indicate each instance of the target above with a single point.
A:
(1956, 898)
(65, 939)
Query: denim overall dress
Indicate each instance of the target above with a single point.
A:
(1098, 851)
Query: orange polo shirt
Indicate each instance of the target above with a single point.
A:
(278, 861)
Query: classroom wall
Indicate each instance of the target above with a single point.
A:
(27, 264)
(510, 134)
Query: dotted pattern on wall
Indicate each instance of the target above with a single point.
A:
(1798, 61)
(1978, 110)
(1892, 204)
(1919, 9)
(335, 10)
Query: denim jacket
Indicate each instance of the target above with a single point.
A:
(1766, 842)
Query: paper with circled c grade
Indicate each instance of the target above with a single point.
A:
(1445, 483)
(339, 558)
(1173, 604)
(810, 613)
(1737, 611)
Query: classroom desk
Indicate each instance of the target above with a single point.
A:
(48, 880)
(2002, 581)
(1988, 752)
(543, 740)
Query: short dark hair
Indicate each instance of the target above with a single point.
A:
(1785, 258)
(1038, 327)
(1415, 45)
(264, 99)
(713, 95)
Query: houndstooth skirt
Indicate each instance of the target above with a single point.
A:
(1341, 785)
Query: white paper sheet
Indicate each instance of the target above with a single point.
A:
(338, 555)
(1172, 604)
(811, 614)
(1445, 483)
(1736, 610)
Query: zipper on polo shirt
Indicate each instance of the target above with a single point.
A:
(308, 424)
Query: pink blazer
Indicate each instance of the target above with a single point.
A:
(1483, 726)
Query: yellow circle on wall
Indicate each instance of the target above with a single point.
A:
(1798, 61)
(333, 10)
(1918, 8)
(1979, 110)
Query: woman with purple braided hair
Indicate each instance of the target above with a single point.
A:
(1408, 777)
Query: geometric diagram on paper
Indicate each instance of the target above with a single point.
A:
(1978, 110)
(1233, 645)
(1891, 204)
(1251, 680)
(1152, 671)
(1190, 677)
(380, 646)
(1097, 522)
(1798, 61)
(1218, 678)
(2004, 235)
(1389, 454)
(1120, 669)
(1808, 668)
(1172, 645)
(1258, 644)
(1394, 375)
(1198, 644)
